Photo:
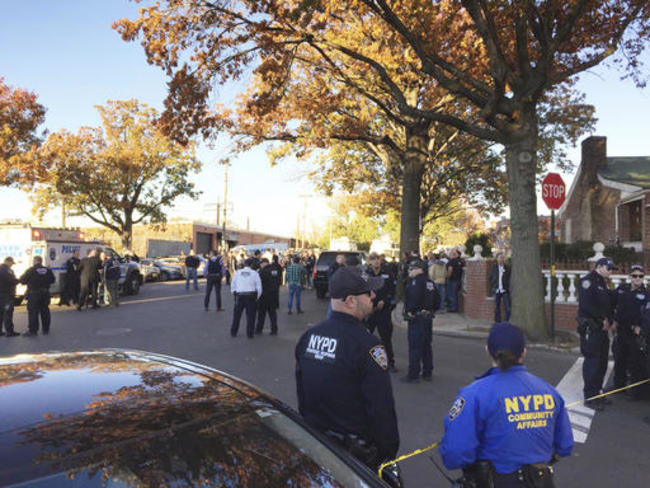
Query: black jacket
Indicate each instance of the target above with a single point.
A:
(8, 282)
(494, 277)
(37, 278)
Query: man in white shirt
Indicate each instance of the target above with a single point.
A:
(246, 287)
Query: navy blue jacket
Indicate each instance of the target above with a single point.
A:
(343, 382)
(629, 305)
(420, 294)
(38, 278)
(387, 291)
(595, 300)
(510, 418)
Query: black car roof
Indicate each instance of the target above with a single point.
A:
(96, 412)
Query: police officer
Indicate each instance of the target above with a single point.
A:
(630, 299)
(271, 277)
(8, 284)
(380, 318)
(246, 287)
(594, 322)
(342, 377)
(38, 279)
(505, 428)
(111, 275)
(421, 299)
(72, 285)
(214, 271)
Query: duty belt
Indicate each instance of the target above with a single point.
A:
(246, 293)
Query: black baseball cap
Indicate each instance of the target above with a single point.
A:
(348, 281)
(506, 336)
(417, 263)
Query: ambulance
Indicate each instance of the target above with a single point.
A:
(23, 241)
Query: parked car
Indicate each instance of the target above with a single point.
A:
(323, 263)
(120, 418)
(169, 270)
(149, 270)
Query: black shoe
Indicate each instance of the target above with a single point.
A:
(95, 307)
(206, 309)
(219, 309)
(258, 331)
(274, 332)
(605, 401)
(232, 334)
(597, 405)
(300, 311)
(79, 309)
(408, 379)
(12, 334)
(30, 334)
(46, 332)
(427, 377)
(2, 333)
(289, 312)
(250, 336)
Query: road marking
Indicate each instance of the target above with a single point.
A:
(570, 387)
(159, 299)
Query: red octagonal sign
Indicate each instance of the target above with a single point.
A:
(553, 191)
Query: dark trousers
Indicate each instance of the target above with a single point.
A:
(628, 358)
(88, 293)
(594, 346)
(38, 305)
(498, 298)
(70, 289)
(452, 295)
(7, 314)
(244, 302)
(263, 309)
(381, 321)
(212, 281)
(420, 332)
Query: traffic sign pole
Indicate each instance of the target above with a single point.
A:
(553, 194)
(552, 275)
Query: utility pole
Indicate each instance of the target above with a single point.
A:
(63, 212)
(304, 216)
(225, 207)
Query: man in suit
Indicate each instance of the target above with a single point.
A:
(89, 279)
(500, 286)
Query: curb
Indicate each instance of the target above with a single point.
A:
(467, 334)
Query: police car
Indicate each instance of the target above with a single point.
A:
(55, 246)
(121, 418)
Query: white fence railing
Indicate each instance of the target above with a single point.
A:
(567, 284)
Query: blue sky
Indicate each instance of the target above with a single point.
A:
(67, 53)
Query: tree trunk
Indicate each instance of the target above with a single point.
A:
(411, 183)
(127, 235)
(526, 282)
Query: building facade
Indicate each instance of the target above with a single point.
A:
(609, 200)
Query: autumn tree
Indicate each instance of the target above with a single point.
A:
(20, 116)
(511, 65)
(117, 175)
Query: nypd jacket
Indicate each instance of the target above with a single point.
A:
(629, 305)
(37, 278)
(343, 383)
(594, 298)
(420, 294)
(510, 418)
(387, 291)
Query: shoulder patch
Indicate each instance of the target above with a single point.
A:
(640, 296)
(378, 355)
(586, 284)
(430, 285)
(456, 408)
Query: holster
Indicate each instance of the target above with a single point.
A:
(586, 325)
(479, 475)
(538, 475)
(641, 342)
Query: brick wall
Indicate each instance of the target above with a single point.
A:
(479, 304)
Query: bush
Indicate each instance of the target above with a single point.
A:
(483, 240)
(583, 250)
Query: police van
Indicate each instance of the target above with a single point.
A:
(24, 241)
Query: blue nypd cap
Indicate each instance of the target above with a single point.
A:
(605, 262)
(505, 336)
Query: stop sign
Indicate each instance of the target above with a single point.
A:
(553, 191)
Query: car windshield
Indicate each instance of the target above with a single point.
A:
(162, 428)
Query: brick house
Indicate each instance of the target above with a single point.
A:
(609, 199)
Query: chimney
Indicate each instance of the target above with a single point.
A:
(594, 157)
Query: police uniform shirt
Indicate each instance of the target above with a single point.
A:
(38, 277)
(246, 281)
(629, 304)
(8, 281)
(420, 294)
(343, 382)
(594, 298)
(510, 418)
(387, 290)
(271, 277)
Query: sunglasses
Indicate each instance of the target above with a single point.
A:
(637, 276)
(358, 294)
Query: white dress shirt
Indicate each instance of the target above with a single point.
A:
(246, 281)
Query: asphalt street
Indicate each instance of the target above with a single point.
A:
(164, 318)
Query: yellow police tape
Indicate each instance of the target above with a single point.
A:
(436, 444)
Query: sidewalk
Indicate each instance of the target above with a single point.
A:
(458, 325)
